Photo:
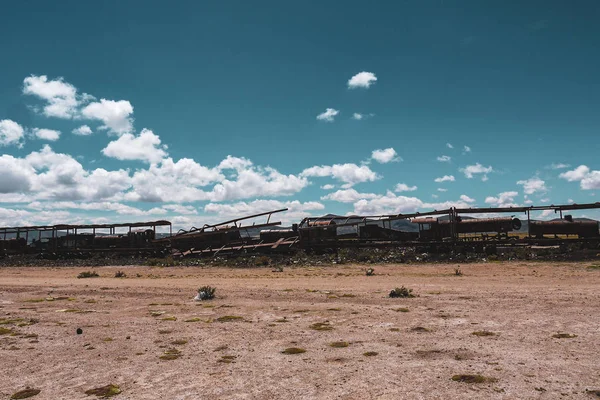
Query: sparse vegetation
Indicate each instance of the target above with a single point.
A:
(171, 354)
(227, 359)
(25, 394)
(206, 293)
(483, 333)
(338, 344)
(596, 266)
(321, 326)
(277, 269)
(370, 354)
(161, 262)
(229, 318)
(564, 336)
(370, 272)
(420, 329)
(293, 350)
(401, 309)
(171, 318)
(179, 342)
(401, 292)
(88, 274)
(120, 274)
(467, 378)
(262, 261)
(457, 271)
(104, 391)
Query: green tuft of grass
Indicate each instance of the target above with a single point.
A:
(229, 318)
(293, 350)
(227, 359)
(25, 394)
(564, 336)
(196, 319)
(370, 354)
(179, 342)
(468, 378)
(594, 266)
(171, 354)
(338, 344)
(104, 391)
(420, 329)
(402, 309)
(321, 326)
(5, 331)
(171, 318)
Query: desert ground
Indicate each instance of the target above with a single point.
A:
(231, 347)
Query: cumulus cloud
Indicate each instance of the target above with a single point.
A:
(61, 96)
(357, 116)
(296, 209)
(11, 133)
(466, 198)
(445, 178)
(145, 147)
(471, 170)
(505, 199)
(384, 156)
(348, 196)
(466, 149)
(533, 185)
(362, 80)
(16, 174)
(444, 159)
(403, 187)
(328, 187)
(589, 180)
(393, 204)
(449, 145)
(329, 115)
(83, 130)
(350, 174)
(46, 134)
(116, 115)
(442, 190)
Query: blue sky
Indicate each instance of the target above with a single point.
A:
(169, 91)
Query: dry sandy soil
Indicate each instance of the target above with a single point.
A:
(421, 342)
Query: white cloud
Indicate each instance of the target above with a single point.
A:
(466, 149)
(466, 198)
(16, 174)
(11, 133)
(445, 178)
(60, 95)
(545, 214)
(558, 166)
(329, 115)
(348, 196)
(236, 163)
(145, 147)
(449, 145)
(357, 116)
(589, 180)
(46, 134)
(533, 185)
(385, 156)
(362, 80)
(505, 199)
(403, 187)
(471, 170)
(444, 158)
(116, 115)
(328, 187)
(393, 204)
(442, 190)
(83, 130)
(296, 209)
(351, 174)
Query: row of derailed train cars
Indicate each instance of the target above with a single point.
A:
(246, 234)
